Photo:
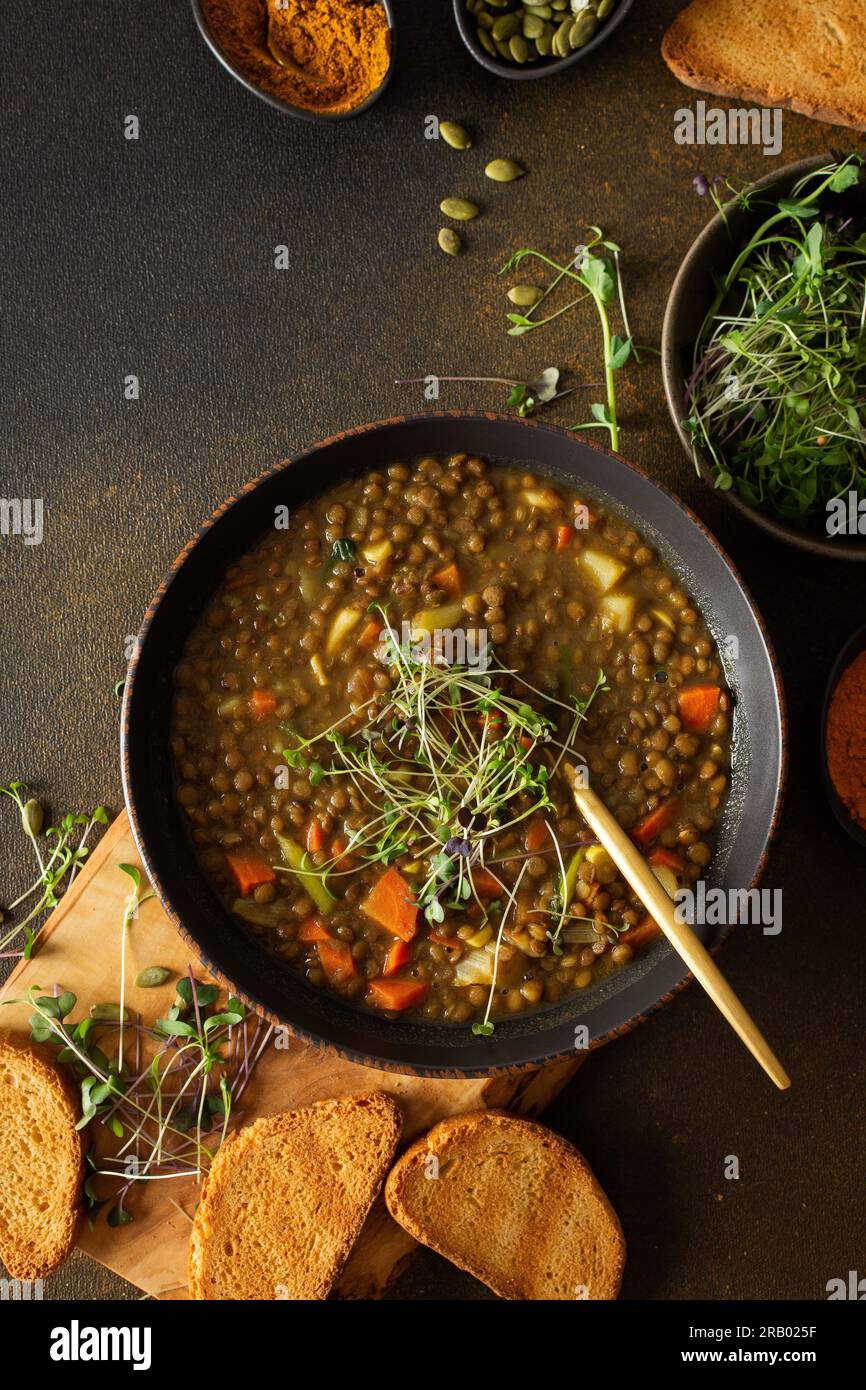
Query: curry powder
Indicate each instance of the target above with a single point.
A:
(341, 48)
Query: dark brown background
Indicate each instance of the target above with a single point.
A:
(156, 257)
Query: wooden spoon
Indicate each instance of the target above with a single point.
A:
(638, 873)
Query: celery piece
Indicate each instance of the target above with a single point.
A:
(262, 914)
(298, 861)
(571, 874)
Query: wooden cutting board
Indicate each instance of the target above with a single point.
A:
(79, 950)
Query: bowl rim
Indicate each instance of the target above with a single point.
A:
(276, 103)
(532, 71)
(804, 540)
(849, 652)
(541, 1054)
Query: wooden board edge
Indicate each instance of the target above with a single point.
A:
(95, 860)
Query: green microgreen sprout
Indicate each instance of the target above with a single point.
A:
(524, 396)
(343, 549)
(778, 379)
(130, 911)
(485, 1027)
(165, 1100)
(58, 860)
(446, 761)
(600, 279)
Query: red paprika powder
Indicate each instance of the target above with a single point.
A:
(846, 739)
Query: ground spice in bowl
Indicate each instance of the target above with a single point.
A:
(845, 739)
(340, 49)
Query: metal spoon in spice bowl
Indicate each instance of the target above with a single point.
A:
(275, 49)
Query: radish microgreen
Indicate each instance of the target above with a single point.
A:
(58, 860)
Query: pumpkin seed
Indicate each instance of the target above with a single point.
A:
(519, 48)
(505, 26)
(542, 43)
(152, 976)
(454, 135)
(533, 26)
(525, 296)
(583, 29)
(604, 7)
(32, 816)
(449, 241)
(108, 1013)
(560, 45)
(459, 208)
(542, 11)
(484, 20)
(503, 170)
(486, 42)
(503, 50)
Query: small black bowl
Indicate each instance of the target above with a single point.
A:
(544, 67)
(284, 106)
(266, 982)
(851, 650)
(691, 295)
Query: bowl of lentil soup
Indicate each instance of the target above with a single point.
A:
(363, 675)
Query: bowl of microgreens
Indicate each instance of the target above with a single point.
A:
(764, 352)
(265, 981)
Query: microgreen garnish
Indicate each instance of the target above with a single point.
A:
(446, 762)
(166, 1102)
(524, 396)
(58, 860)
(343, 549)
(778, 377)
(599, 277)
(485, 1027)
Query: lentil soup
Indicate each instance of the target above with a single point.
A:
(372, 721)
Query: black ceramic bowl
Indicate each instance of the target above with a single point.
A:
(852, 649)
(691, 295)
(543, 68)
(285, 106)
(193, 905)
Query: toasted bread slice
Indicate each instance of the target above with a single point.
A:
(286, 1197)
(41, 1160)
(514, 1204)
(792, 53)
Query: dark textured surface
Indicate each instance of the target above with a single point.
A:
(156, 257)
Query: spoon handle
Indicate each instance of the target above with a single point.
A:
(638, 873)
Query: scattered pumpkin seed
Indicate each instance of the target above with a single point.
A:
(108, 1013)
(152, 976)
(503, 170)
(459, 208)
(454, 135)
(449, 241)
(525, 296)
(32, 816)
